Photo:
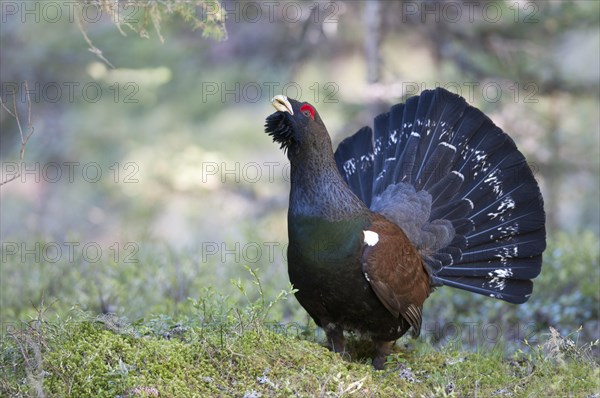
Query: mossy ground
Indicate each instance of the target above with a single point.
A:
(106, 356)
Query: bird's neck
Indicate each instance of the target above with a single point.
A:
(318, 189)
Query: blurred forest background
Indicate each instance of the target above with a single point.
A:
(148, 178)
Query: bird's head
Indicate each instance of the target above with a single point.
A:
(296, 126)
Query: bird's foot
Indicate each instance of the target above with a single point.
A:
(336, 340)
(382, 350)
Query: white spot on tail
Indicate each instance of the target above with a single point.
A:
(366, 160)
(371, 238)
(470, 202)
(507, 204)
(448, 145)
(497, 283)
(502, 273)
(377, 146)
(494, 181)
(480, 155)
(367, 277)
(350, 166)
(462, 177)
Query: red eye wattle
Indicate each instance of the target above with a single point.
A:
(308, 111)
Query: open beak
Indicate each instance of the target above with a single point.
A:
(281, 103)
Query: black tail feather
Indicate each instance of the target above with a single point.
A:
(437, 167)
(403, 152)
(512, 290)
(354, 157)
(446, 188)
(476, 178)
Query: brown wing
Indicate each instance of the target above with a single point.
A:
(395, 271)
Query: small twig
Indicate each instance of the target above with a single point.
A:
(24, 137)
(7, 110)
(92, 48)
(29, 126)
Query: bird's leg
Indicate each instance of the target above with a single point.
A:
(382, 350)
(335, 338)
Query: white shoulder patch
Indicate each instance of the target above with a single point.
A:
(371, 238)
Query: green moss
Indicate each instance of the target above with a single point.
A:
(109, 358)
(222, 349)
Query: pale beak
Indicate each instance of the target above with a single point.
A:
(281, 103)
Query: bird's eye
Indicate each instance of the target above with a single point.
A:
(308, 111)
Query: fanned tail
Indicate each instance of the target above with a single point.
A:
(460, 189)
(356, 162)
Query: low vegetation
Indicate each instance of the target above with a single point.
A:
(222, 350)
